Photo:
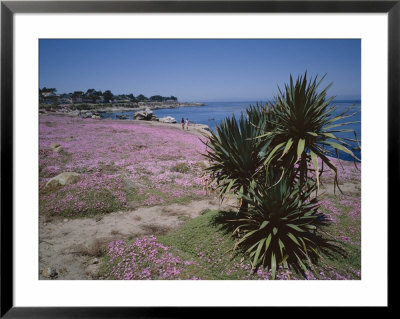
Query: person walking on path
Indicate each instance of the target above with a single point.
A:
(183, 123)
(187, 124)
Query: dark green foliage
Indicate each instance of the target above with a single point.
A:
(108, 96)
(279, 227)
(264, 159)
(234, 154)
(303, 128)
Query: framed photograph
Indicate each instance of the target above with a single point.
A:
(164, 155)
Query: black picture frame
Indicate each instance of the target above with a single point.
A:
(9, 8)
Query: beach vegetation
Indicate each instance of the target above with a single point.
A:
(279, 227)
(272, 160)
(202, 249)
(305, 129)
(233, 153)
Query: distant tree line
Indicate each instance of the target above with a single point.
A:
(91, 95)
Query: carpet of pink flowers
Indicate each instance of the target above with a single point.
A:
(125, 165)
(145, 258)
(133, 162)
(211, 260)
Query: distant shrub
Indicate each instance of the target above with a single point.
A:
(180, 168)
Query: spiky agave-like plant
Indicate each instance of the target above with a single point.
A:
(279, 227)
(233, 153)
(304, 127)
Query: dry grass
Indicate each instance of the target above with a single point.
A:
(115, 232)
(155, 229)
(171, 212)
(48, 219)
(96, 248)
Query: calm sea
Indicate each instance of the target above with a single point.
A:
(214, 112)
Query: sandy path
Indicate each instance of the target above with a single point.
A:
(71, 246)
(196, 129)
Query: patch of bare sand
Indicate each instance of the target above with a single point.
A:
(71, 246)
(196, 129)
(348, 189)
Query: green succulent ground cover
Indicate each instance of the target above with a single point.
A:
(202, 249)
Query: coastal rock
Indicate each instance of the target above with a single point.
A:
(96, 117)
(146, 115)
(87, 115)
(167, 119)
(64, 178)
(56, 147)
(204, 127)
(93, 271)
(121, 117)
(74, 113)
(49, 272)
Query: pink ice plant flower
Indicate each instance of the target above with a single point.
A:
(142, 156)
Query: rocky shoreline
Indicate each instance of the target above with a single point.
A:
(103, 108)
(150, 106)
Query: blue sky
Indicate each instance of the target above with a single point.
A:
(199, 70)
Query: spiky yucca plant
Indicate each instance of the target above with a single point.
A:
(233, 152)
(304, 127)
(279, 227)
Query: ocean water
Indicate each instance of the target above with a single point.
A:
(214, 112)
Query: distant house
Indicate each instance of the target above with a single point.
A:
(49, 98)
(49, 94)
(77, 99)
(65, 100)
(100, 99)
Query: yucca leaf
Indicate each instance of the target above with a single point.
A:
(266, 162)
(314, 159)
(261, 243)
(268, 242)
(273, 265)
(330, 135)
(251, 249)
(295, 227)
(311, 227)
(342, 148)
(301, 263)
(287, 147)
(264, 223)
(284, 260)
(281, 246)
(247, 235)
(340, 124)
(230, 185)
(300, 147)
(304, 244)
(292, 237)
